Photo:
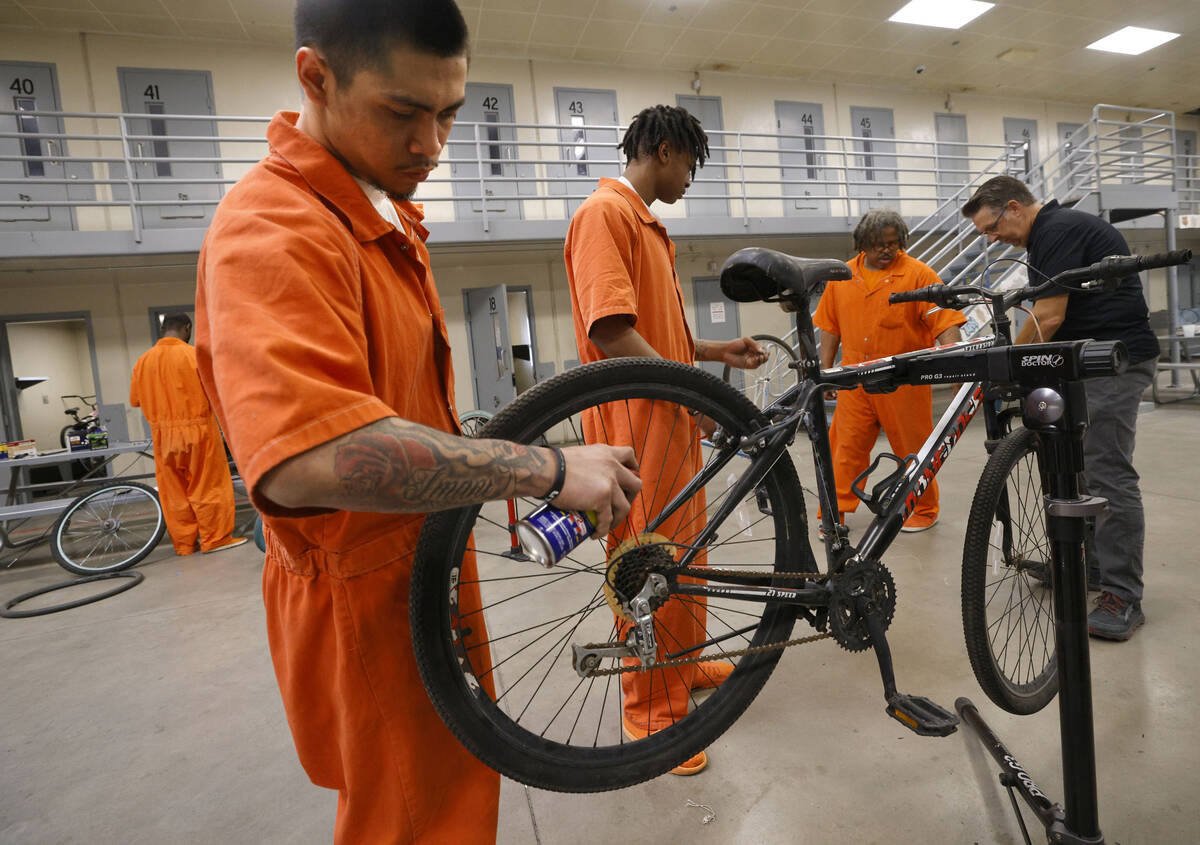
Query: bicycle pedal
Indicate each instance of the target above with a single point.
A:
(921, 715)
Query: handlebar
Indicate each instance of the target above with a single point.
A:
(1110, 268)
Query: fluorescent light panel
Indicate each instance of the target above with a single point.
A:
(1133, 40)
(947, 14)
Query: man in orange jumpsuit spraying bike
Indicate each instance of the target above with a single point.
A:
(856, 316)
(626, 300)
(190, 466)
(322, 342)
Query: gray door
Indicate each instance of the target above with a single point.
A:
(1074, 169)
(710, 180)
(1020, 136)
(163, 175)
(32, 86)
(953, 163)
(479, 135)
(589, 142)
(873, 177)
(491, 346)
(801, 126)
(1187, 166)
(1130, 162)
(716, 319)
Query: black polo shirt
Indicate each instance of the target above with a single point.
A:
(1063, 239)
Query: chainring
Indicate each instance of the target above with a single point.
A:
(630, 564)
(846, 625)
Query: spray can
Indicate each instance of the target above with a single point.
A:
(548, 534)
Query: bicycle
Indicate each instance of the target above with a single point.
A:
(769, 381)
(520, 661)
(82, 426)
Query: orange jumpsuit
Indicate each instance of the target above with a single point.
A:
(190, 466)
(316, 317)
(621, 261)
(858, 311)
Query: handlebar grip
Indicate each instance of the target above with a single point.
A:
(918, 295)
(1100, 358)
(1164, 259)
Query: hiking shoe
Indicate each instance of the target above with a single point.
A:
(918, 522)
(1115, 618)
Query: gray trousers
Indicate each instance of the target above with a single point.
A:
(1108, 471)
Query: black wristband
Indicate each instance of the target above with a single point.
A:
(560, 477)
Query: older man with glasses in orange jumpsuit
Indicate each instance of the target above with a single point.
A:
(855, 316)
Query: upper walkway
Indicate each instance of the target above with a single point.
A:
(75, 184)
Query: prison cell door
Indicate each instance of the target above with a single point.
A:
(30, 87)
(486, 312)
(589, 146)
(873, 177)
(712, 177)
(800, 126)
(158, 161)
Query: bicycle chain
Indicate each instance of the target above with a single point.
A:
(686, 661)
(708, 572)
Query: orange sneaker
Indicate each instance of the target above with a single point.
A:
(919, 522)
(694, 765)
(710, 674)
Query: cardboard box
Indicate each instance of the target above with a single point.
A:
(22, 448)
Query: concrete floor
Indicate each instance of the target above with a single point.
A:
(153, 717)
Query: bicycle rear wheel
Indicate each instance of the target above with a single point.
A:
(498, 666)
(109, 529)
(1007, 602)
(773, 377)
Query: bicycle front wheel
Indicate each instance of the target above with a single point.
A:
(495, 637)
(1007, 603)
(771, 379)
(109, 529)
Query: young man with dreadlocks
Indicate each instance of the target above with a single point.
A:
(627, 301)
(855, 315)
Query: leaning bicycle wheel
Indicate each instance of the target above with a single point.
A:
(109, 529)
(1007, 602)
(472, 421)
(496, 636)
(771, 379)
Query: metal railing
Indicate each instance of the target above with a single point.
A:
(111, 171)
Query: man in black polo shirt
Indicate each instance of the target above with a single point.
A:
(1060, 239)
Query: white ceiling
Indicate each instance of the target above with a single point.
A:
(848, 41)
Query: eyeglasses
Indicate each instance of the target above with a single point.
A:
(991, 229)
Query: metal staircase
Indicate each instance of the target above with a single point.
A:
(1119, 165)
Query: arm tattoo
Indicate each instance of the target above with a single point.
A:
(413, 469)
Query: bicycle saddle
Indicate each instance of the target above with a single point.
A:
(756, 274)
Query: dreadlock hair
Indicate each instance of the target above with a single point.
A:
(660, 123)
(869, 230)
(357, 34)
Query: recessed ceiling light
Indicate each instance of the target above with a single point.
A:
(1133, 40)
(948, 14)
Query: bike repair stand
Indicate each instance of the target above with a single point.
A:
(1060, 421)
